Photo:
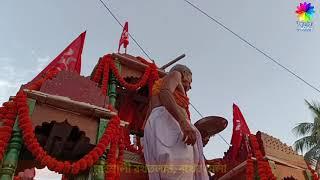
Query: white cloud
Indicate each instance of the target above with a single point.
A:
(42, 62)
(11, 78)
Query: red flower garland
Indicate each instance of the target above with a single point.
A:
(131, 87)
(98, 74)
(8, 115)
(264, 169)
(153, 77)
(121, 153)
(250, 168)
(111, 160)
(46, 160)
(106, 64)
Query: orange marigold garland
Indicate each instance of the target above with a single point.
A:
(8, 115)
(131, 87)
(121, 153)
(107, 64)
(153, 77)
(250, 168)
(9, 111)
(98, 73)
(111, 166)
(264, 170)
(46, 160)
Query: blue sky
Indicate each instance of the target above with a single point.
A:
(225, 70)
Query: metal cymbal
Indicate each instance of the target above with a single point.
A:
(211, 124)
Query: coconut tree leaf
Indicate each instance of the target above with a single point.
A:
(303, 129)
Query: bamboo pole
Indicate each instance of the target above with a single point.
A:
(173, 61)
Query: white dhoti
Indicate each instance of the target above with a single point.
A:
(167, 156)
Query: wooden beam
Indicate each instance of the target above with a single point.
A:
(66, 103)
(233, 172)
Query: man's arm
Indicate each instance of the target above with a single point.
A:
(170, 83)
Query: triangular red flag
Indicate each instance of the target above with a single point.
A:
(124, 39)
(240, 128)
(68, 60)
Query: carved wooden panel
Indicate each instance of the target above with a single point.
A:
(72, 144)
(75, 87)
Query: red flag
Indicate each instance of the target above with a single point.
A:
(69, 59)
(240, 128)
(124, 40)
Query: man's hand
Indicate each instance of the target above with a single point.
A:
(189, 134)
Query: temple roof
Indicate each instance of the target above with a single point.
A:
(280, 152)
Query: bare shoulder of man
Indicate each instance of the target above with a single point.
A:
(171, 81)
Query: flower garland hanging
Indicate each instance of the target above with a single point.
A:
(41, 155)
(250, 168)
(9, 111)
(264, 170)
(98, 73)
(106, 64)
(121, 153)
(131, 87)
(19, 104)
(7, 115)
(111, 160)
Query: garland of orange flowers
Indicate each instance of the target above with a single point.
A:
(98, 73)
(8, 112)
(7, 116)
(264, 170)
(250, 168)
(106, 64)
(41, 155)
(121, 153)
(19, 105)
(111, 167)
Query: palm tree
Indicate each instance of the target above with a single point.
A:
(310, 136)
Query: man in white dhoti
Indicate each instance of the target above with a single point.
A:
(172, 145)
